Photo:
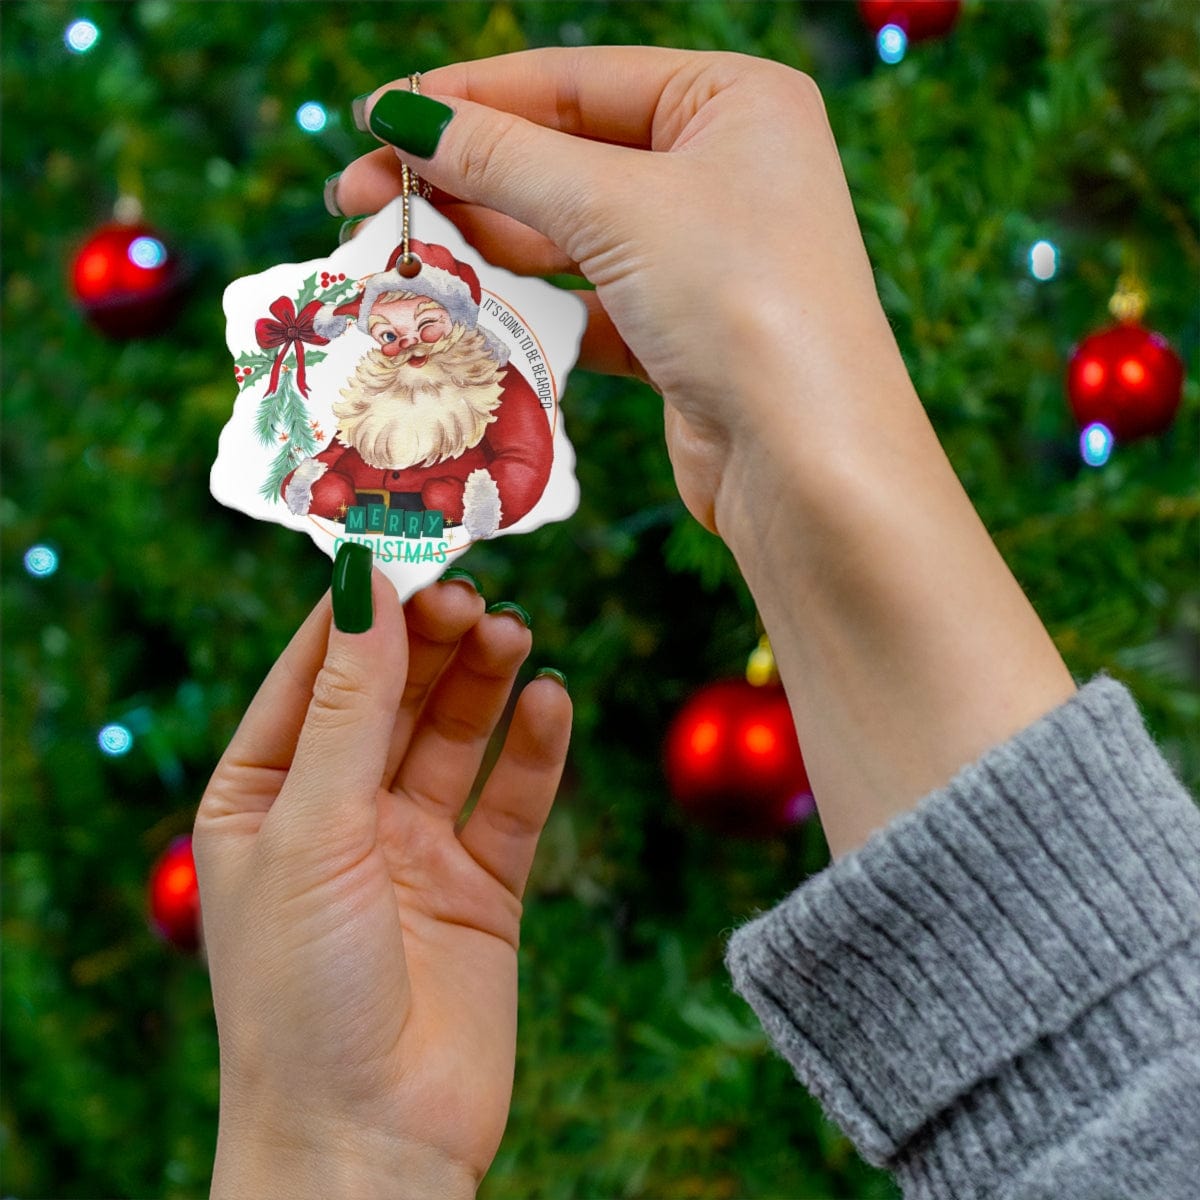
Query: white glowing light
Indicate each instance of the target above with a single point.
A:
(311, 117)
(1043, 260)
(115, 740)
(81, 36)
(147, 252)
(1096, 444)
(891, 42)
(41, 561)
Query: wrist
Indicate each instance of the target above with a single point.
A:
(312, 1160)
(906, 646)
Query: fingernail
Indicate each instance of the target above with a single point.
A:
(414, 123)
(347, 230)
(358, 110)
(513, 609)
(457, 573)
(552, 673)
(330, 194)
(353, 611)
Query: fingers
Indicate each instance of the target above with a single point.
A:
(603, 348)
(502, 832)
(466, 702)
(342, 749)
(610, 94)
(437, 617)
(370, 183)
(546, 180)
(247, 778)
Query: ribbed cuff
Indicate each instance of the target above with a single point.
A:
(964, 982)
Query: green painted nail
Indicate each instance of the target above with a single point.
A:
(330, 195)
(347, 229)
(353, 611)
(358, 110)
(457, 573)
(512, 608)
(553, 673)
(414, 123)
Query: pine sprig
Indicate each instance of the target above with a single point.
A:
(282, 420)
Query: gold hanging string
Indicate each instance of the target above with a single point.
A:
(410, 183)
(1129, 301)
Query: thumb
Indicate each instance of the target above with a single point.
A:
(337, 770)
(555, 183)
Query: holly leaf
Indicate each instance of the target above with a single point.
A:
(340, 293)
(308, 291)
(259, 364)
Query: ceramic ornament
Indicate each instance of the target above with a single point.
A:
(412, 413)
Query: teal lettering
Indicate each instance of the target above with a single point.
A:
(356, 519)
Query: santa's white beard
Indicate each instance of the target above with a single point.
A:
(397, 415)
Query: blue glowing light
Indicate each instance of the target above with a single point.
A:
(891, 42)
(1043, 260)
(81, 36)
(115, 740)
(1096, 444)
(41, 561)
(311, 117)
(147, 252)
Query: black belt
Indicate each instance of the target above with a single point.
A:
(408, 501)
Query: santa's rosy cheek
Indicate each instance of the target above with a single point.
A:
(432, 333)
(391, 349)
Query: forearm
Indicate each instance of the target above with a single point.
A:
(906, 646)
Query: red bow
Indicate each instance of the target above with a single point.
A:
(287, 330)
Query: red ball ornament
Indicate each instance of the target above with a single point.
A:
(126, 280)
(920, 19)
(175, 896)
(733, 762)
(1128, 379)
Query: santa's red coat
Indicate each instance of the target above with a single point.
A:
(516, 451)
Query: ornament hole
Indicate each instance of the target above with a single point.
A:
(408, 266)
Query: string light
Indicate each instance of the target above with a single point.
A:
(147, 252)
(1043, 260)
(892, 43)
(115, 740)
(311, 117)
(81, 36)
(41, 561)
(1096, 444)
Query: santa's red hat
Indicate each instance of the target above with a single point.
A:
(452, 284)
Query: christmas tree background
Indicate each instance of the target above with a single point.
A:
(640, 1073)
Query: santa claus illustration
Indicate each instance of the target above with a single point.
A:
(434, 417)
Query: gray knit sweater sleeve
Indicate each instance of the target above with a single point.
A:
(999, 994)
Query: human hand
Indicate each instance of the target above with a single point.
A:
(704, 197)
(362, 947)
(728, 264)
